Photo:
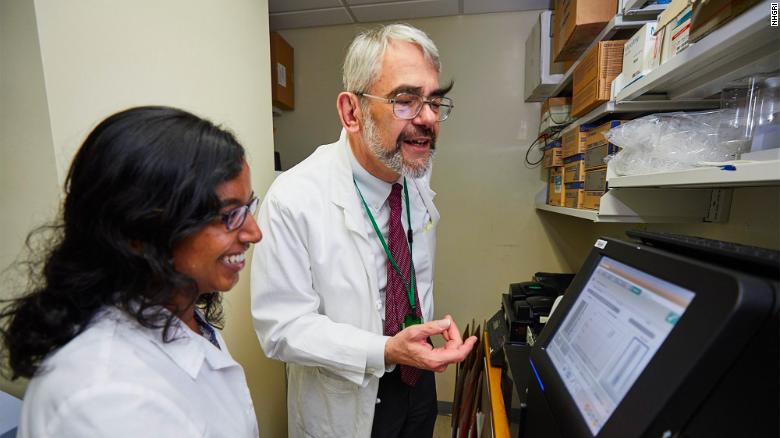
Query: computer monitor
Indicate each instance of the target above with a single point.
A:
(651, 343)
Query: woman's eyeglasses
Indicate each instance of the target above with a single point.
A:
(236, 217)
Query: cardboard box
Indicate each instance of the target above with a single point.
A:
(576, 23)
(595, 180)
(542, 75)
(593, 76)
(573, 140)
(638, 59)
(596, 135)
(556, 111)
(673, 38)
(282, 87)
(574, 195)
(591, 200)
(709, 15)
(555, 105)
(574, 168)
(556, 191)
(553, 154)
(594, 156)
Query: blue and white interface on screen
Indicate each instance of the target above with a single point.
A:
(614, 328)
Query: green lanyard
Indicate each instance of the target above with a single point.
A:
(410, 287)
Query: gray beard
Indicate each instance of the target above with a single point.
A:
(393, 159)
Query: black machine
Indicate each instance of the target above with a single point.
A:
(664, 338)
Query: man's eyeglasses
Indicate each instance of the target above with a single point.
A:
(407, 106)
(236, 217)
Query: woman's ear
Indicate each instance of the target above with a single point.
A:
(349, 111)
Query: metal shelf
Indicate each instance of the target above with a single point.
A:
(635, 205)
(756, 173)
(640, 106)
(615, 25)
(745, 45)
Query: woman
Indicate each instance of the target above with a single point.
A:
(117, 329)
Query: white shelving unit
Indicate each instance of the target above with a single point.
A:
(750, 174)
(650, 206)
(745, 45)
(616, 24)
(641, 106)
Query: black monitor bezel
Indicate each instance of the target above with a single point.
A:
(719, 293)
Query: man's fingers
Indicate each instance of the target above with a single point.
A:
(428, 329)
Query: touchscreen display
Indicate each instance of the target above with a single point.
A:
(614, 328)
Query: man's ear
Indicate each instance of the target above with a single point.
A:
(349, 112)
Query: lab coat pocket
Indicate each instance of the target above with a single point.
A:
(327, 405)
(335, 383)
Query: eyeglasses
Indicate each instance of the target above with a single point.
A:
(236, 217)
(407, 106)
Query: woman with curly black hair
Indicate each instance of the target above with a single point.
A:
(117, 328)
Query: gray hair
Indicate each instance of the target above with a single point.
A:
(364, 56)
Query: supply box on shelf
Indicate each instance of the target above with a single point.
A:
(574, 140)
(597, 146)
(282, 87)
(711, 14)
(574, 194)
(542, 75)
(556, 111)
(576, 23)
(594, 74)
(574, 168)
(596, 180)
(639, 56)
(591, 200)
(674, 25)
(552, 154)
(555, 188)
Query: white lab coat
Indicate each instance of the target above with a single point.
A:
(119, 379)
(315, 299)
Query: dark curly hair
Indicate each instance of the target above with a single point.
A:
(143, 180)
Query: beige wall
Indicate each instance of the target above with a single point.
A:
(95, 58)
(29, 191)
(490, 234)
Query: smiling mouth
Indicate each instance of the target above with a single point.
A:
(234, 261)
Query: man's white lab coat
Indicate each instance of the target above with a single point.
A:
(315, 298)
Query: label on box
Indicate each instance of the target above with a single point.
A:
(281, 74)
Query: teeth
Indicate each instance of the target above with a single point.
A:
(234, 259)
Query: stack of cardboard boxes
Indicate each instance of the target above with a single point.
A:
(553, 162)
(597, 148)
(573, 149)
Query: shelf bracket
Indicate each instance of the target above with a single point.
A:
(719, 207)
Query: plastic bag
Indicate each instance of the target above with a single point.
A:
(668, 142)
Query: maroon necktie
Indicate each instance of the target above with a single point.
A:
(396, 301)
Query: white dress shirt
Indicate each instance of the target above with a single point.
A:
(119, 379)
(376, 191)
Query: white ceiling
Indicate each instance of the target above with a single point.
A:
(292, 14)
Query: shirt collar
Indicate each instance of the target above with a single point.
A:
(186, 348)
(374, 190)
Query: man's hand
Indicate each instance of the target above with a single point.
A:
(410, 346)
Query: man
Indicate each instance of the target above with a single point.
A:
(341, 290)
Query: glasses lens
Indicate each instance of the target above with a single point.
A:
(253, 205)
(235, 218)
(443, 107)
(406, 106)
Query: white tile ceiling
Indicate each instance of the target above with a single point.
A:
(291, 14)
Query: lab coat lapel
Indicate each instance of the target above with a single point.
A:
(343, 195)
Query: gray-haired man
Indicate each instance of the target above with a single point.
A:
(342, 284)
